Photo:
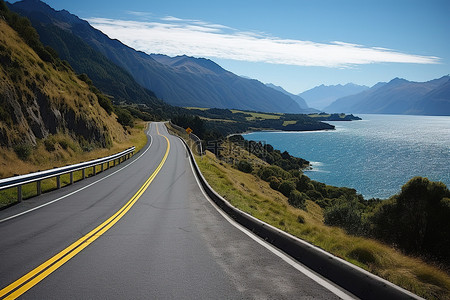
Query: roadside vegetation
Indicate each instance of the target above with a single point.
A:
(50, 116)
(306, 219)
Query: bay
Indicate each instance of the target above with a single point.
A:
(375, 156)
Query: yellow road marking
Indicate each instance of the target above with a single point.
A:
(30, 279)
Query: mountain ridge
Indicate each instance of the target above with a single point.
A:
(399, 96)
(323, 95)
(300, 101)
(180, 85)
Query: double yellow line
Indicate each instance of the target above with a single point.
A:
(32, 278)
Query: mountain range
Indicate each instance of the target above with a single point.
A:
(399, 96)
(180, 81)
(300, 101)
(321, 96)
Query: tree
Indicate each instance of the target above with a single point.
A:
(297, 199)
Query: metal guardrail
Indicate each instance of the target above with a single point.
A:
(357, 281)
(18, 181)
(193, 137)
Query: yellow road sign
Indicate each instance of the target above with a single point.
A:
(188, 130)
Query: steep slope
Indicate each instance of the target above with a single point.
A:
(435, 102)
(178, 81)
(323, 95)
(399, 96)
(300, 101)
(107, 76)
(40, 99)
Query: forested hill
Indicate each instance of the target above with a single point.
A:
(186, 86)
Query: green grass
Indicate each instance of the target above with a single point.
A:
(261, 116)
(254, 196)
(286, 123)
(199, 108)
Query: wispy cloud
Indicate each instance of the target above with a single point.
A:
(173, 36)
(139, 13)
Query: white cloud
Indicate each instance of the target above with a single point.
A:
(173, 36)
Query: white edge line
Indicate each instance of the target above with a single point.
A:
(85, 187)
(323, 282)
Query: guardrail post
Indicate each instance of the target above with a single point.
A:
(19, 193)
(102, 166)
(83, 173)
(58, 182)
(71, 177)
(114, 162)
(93, 171)
(38, 187)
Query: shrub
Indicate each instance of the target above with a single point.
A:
(274, 183)
(23, 151)
(245, 166)
(49, 145)
(124, 117)
(286, 187)
(416, 220)
(105, 102)
(303, 183)
(297, 199)
(314, 195)
(345, 215)
(266, 172)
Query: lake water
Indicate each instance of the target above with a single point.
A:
(375, 156)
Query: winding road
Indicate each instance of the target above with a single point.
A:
(143, 230)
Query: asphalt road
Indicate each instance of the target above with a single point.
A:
(170, 243)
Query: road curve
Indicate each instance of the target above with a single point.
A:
(170, 243)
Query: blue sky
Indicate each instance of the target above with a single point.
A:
(295, 44)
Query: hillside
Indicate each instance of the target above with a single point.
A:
(399, 96)
(300, 101)
(181, 81)
(107, 76)
(43, 102)
(323, 95)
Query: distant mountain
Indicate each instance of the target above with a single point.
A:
(41, 96)
(323, 95)
(300, 101)
(180, 81)
(399, 96)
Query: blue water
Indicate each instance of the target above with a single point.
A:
(375, 156)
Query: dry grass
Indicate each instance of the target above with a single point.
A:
(254, 196)
(41, 159)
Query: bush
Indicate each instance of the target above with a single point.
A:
(303, 183)
(105, 102)
(49, 145)
(266, 172)
(286, 187)
(124, 117)
(297, 199)
(245, 166)
(345, 215)
(314, 195)
(274, 183)
(23, 151)
(416, 220)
